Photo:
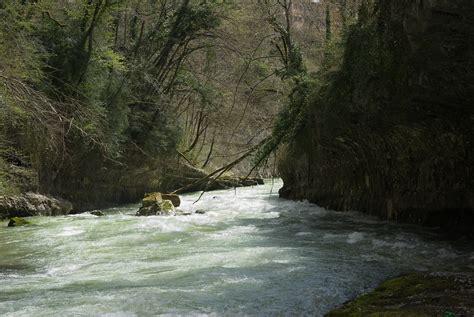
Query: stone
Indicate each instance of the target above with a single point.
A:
(151, 199)
(163, 208)
(33, 204)
(167, 207)
(173, 198)
(181, 212)
(148, 210)
(200, 211)
(17, 221)
(97, 213)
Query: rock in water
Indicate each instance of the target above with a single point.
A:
(33, 204)
(180, 212)
(97, 213)
(200, 211)
(163, 208)
(17, 221)
(148, 211)
(173, 197)
(167, 207)
(154, 204)
(151, 199)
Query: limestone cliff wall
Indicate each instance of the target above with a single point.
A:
(391, 133)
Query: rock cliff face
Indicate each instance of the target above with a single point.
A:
(391, 133)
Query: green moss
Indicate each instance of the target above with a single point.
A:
(167, 207)
(17, 222)
(396, 298)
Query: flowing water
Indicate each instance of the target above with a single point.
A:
(252, 253)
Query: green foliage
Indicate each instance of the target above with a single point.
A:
(86, 86)
(292, 117)
(21, 54)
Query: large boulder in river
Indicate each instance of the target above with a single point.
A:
(33, 204)
(162, 208)
(151, 199)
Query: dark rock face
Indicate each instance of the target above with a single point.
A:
(392, 134)
(32, 204)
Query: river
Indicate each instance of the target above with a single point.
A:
(251, 253)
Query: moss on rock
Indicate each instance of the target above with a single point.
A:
(17, 222)
(415, 295)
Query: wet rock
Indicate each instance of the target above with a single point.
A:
(33, 204)
(97, 213)
(152, 199)
(17, 222)
(163, 208)
(181, 212)
(200, 211)
(173, 198)
(148, 210)
(167, 207)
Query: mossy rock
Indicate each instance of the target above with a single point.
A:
(151, 199)
(17, 222)
(167, 207)
(413, 295)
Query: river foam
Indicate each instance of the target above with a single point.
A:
(251, 253)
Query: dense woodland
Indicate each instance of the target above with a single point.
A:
(99, 91)
(102, 101)
(357, 105)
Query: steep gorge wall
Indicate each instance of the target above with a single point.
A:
(391, 133)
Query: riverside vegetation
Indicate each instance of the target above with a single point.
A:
(358, 105)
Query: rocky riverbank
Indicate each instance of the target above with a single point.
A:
(417, 295)
(33, 204)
